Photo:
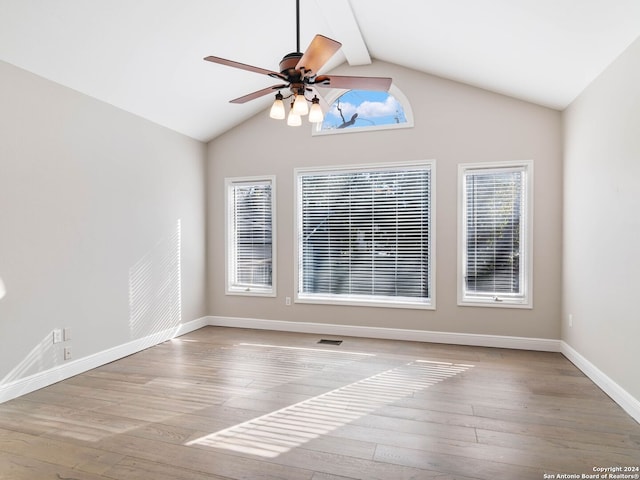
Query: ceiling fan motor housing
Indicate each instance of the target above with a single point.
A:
(294, 75)
(289, 62)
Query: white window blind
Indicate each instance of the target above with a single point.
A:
(250, 236)
(364, 236)
(495, 245)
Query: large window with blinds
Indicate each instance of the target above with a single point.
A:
(365, 235)
(250, 237)
(495, 234)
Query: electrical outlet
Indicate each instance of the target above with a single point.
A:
(67, 353)
(66, 334)
(571, 319)
(287, 301)
(57, 335)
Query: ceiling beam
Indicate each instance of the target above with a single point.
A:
(343, 23)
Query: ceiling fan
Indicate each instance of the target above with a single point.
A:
(299, 74)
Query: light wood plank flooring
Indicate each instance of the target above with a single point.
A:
(225, 404)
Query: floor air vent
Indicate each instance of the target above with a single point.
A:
(324, 341)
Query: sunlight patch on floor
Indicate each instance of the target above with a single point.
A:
(280, 431)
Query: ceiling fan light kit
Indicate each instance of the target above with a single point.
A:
(277, 109)
(299, 71)
(300, 105)
(315, 113)
(293, 119)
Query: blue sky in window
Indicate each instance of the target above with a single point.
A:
(372, 109)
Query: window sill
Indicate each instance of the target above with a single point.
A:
(251, 292)
(399, 302)
(493, 303)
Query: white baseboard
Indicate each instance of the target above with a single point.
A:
(69, 369)
(619, 395)
(498, 341)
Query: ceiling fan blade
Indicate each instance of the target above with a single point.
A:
(353, 83)
(319, 51)
(257, 94)
(243, 66)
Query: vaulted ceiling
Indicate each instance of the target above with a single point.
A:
(146, 56)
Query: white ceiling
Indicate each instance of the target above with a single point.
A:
(145, 56)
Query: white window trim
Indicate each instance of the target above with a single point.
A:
(500, 301)
(365, 301)
(229, 289)
(333, 94)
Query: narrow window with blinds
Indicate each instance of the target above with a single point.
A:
(495, 235)
(250, 239)
(365, 235)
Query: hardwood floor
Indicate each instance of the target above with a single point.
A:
(224, 404)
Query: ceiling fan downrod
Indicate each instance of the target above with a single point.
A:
(290, 60)
(297, 25)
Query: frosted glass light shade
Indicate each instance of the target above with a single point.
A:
(294, 120)
(315, 114)
(300, 106)
(277, 109)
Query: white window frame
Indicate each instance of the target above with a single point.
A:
(362, 300)
(525, 299)
(233, 288)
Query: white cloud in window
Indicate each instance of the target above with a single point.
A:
(368, 109)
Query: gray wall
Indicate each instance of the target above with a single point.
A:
(602, 223)
(101, 224)
(454, 123)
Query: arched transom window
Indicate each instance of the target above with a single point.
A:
(361, 110)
